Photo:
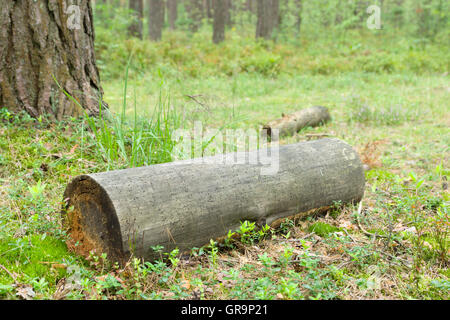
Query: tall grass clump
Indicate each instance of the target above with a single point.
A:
(122, 142)
(142, 141)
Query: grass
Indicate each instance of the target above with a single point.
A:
(391, 105)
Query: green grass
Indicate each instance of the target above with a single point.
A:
(322, 229)
(32, 257)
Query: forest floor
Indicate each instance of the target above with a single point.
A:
(394, 246)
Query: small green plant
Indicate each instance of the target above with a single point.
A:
(37, 190)
(440, 232)
(229, 240)
(285, 227)
(173, 257)
(213, 250)
(246, 232)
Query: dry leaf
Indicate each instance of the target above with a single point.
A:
(25, 291)
(185, 284)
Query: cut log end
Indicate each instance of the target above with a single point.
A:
(91, 220)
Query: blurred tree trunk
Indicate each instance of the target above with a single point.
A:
(228, 16)
(137, 9)
(219, 21)
(194, 9)
(42, 40)
(155, 14)
(268, 15)
(172, 13)
(248, 5)
(208, 8)
(298, 20)
(163, 14)
(275, 14)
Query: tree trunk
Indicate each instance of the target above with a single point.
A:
(43, 39)
(184, 204)
(172, 13)
(298, 20)
(292, 123)
(207, 7)
(155, 19)
(219, 21)
(194, 9)
(163, 15)
(228, 13)
(268, 14)
(137, 9)
(275, 14)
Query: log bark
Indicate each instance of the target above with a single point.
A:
(292, 123)
(186, 203)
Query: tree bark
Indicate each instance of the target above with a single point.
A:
(268, 15)
(275, 14)
(172, 13)
(43, 39)
(194, 9)
(184, 204)
(290, 124)
(137, 9)
(229, 13)
(219, 21)
(208, 8)
(155, 19)
(298, 20)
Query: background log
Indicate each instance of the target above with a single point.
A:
(184, 204)
(292, 123)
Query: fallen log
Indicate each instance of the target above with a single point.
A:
(292, 123)
(186, 203)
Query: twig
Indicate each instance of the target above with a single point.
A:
(8, 272)
(195, 100)
(364, 230)
(403, 261)
(372, 234)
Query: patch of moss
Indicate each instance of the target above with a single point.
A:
(323, 229)
(32, 257)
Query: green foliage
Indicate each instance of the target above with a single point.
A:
(182, 55)
(322, 229)
(31, 258)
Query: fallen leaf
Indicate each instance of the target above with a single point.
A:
(25, 291)
(347, 225)
(185, 284)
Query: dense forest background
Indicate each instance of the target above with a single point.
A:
(298, 28)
